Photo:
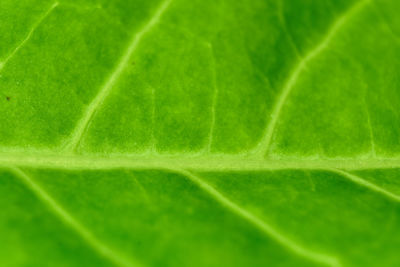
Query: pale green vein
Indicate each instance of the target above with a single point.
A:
(282, 20)
(69, 220)
(29, 35)
(214, 97)
(312, 184)
(105, 90)
(153, 141)
(140, 186)
(197, 162)
(267, 229)
(386, 24)
(369, 125)
(263, 146)
(360, 181)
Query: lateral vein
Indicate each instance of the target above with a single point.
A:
(214, 98)
(360, 181)
(69, 220)
(105, 90)
(282, 21)
(262, 147)
(267, 229)
(29, 35)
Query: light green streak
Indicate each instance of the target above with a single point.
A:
(204, 163)
(29, 35)
(263, 146)
(67, 218)
(358, 180)
(267, 229)
(105, 90)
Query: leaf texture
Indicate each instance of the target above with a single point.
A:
(199, 133)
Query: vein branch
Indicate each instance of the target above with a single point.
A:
(106, 89)
(101, 248)
(389, 29)
(282, 20)
(29, 35)
(360, 181)
(214, 98)
(153, 147)
(263, 146)
(370, 129)
(267, 229)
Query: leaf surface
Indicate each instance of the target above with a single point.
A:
(199, 133)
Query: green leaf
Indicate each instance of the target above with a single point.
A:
(199, 133)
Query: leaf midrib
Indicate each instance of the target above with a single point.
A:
(208, 162)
